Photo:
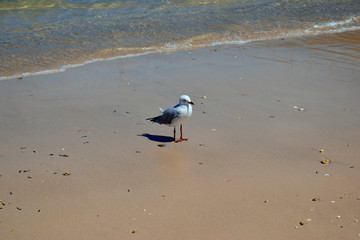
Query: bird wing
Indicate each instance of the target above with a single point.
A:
(168, 116)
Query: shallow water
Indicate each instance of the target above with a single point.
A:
(45, 36)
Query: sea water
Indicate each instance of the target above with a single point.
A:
(41, 36)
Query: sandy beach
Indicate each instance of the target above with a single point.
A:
(79, 161)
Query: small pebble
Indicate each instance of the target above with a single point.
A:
(66, 173)
(321, 151)
(161, 145)
(325, 161)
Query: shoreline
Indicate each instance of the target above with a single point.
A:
(184, 45)
(79, 160)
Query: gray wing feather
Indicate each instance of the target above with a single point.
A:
(167, 117)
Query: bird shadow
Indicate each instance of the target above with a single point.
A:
(157, 138)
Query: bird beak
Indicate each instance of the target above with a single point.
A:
(191, 103)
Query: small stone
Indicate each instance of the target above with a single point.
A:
(161, 145)
(133, 231)
(321, 151)
(204, 97)
(315, 199)
(325, 161)
(66, 173)
(302, 223)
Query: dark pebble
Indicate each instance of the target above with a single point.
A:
(63, 155)
(161, 145)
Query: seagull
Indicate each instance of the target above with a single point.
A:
(176, 115)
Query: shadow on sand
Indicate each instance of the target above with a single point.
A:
(157, 138)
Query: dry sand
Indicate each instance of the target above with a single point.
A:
(250, 170)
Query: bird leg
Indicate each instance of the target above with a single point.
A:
(181, 138)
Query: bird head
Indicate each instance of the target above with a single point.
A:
(185, 100)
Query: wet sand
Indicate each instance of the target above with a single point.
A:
(79, 161)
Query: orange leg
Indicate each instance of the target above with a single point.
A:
(181, 138)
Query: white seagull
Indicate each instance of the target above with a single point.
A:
(176, 115)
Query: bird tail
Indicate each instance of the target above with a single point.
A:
(153, 119)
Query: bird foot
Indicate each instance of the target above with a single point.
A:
(180, 140)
